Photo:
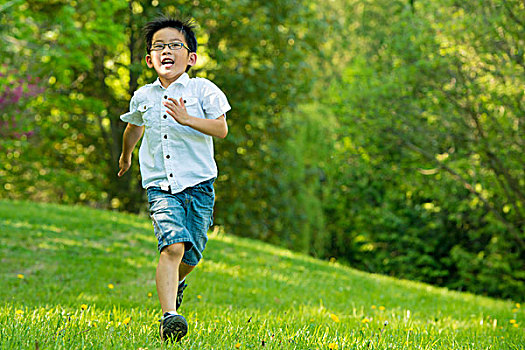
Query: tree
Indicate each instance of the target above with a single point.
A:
(92, 57)
(434, 96)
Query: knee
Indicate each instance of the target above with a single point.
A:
(173, 252)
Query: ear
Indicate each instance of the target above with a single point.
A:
(149, 61)
(192, 59)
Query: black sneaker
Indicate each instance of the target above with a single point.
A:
(172, 327)
(180, 294)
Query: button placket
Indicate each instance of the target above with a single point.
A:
(168, 161)
(165, 140)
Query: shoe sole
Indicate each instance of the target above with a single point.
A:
(174, 328)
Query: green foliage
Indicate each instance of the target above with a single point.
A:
(429, 138)
(65, 159)
(85, 279)
(308, 150)
(92, 56)
(259, 50)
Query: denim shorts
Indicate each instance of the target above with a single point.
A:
(183, 217)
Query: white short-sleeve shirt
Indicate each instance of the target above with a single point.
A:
(172, 156)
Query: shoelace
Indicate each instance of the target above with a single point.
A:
(165, 316)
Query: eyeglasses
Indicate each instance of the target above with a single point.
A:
(172, 46)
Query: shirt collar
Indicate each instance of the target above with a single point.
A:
(182, 80)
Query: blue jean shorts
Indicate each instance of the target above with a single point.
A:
(183, 217)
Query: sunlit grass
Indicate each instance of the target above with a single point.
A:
(75, 277)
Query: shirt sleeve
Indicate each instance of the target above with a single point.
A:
(214, 101)
(134, 116)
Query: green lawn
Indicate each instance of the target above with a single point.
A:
(75, 277)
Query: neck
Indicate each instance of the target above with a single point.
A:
(165, 82)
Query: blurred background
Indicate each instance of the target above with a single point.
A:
(386, 134)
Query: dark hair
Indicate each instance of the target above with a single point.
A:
(185, 27)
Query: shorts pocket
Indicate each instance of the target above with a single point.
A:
(206, 187)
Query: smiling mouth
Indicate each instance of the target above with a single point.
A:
(167, 62)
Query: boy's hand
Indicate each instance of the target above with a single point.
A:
(213, 127)
(124, 163)
(177, 110)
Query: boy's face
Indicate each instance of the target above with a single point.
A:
(170, 64)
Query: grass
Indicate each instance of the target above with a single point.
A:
(79, 278)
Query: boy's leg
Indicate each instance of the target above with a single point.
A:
(168, 216)
(198, 220)
(184, 270)
(167, 275)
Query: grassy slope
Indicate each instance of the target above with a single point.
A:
(244, 294)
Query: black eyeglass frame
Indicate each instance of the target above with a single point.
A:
(172, 46)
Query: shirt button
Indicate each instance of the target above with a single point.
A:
(168, 156)
(165, 136)
(171, 175)
(184, 101)
(165, 116)
(165, 97)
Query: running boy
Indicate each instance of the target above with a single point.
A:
(178, 117)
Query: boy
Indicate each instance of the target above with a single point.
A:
(178, 116)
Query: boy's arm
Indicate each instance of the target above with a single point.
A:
(213, 127)
(132, 135)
